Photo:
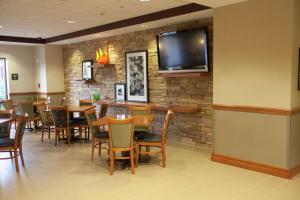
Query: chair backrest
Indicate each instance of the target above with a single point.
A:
(63, 101)
(26, 107)
(41, 99)
(20, 131)
(5, 128)
(140, 110)
(86, 102)
(103, 110)
(121, 132)
(167, 121)
(42, 107)
(8, 104)
(91, 116)
(60, 116)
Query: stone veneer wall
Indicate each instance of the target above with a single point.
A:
(194, 129)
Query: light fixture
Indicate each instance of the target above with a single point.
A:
(144, 0)
(97, 35)
(1, 26)
(71, 22)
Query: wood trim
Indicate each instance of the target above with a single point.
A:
(22, 39)
(186, 74)
(252, 109)
(295, 111)
(275, 171)
(178, 109)
(36, 93)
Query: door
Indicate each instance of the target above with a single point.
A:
(3, 84)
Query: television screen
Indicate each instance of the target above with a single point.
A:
(182, 51)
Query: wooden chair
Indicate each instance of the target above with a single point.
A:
(121, 140)
(82, 119)
(15, 145)
(155, 141)
(62, 123)
(46, 118)
(63, 101)
(5, 128)
(98, 136)
(103, 110)
(140, 131)
(27, 110)
(9, 105)
(41, 99)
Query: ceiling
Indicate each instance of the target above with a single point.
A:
(48, 18)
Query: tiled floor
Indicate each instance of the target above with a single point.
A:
(67, 173)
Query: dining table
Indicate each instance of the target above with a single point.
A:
(140, 120)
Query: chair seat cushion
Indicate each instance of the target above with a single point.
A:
(80, 120)
(6, 142)
(102, 135)
(141, 129)
(151, 138)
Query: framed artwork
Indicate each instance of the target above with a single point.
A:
(14, 77)
(87, 70)
(137, 88)
(120, 91)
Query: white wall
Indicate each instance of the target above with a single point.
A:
(54, 68)
(20, 60)
(42, 64)
(40, 69)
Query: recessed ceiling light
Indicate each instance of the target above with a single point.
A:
(97, 35)
(145, 25)
(144, 0)
(71, 22)
(1, 26)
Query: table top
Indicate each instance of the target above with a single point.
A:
(140, 120)
(77, 108)
(5, 120)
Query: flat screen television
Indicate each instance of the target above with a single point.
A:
(183, 51)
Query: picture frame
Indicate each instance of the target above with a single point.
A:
(120, 91)
(14, 77)
(87, 70)
(137, 88)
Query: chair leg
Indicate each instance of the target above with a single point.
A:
(100, 144)
(11, 155)
(16, 160)
(163, 155)
(42, 139)
(69, 136)
(56, 134)
(112, 162)
(137, 151)
(93, 147)
(132, 162)
(80, 133)
(21, 155)
(49, 129)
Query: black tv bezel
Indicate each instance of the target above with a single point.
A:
(184, 70)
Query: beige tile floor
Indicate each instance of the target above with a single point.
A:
(67, 173)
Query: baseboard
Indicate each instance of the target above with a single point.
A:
(283, 173)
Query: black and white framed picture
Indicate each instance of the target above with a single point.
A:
(137, 76)
(87, 70)
(120, 91)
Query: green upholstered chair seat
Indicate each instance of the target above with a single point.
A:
(6, 142)
(4, 130)
(141, 129)
(151, 138)
(101, 135)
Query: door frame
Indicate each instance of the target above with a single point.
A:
(5, 77)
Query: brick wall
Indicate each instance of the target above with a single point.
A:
(194, 129)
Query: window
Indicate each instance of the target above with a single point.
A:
(3, 85)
